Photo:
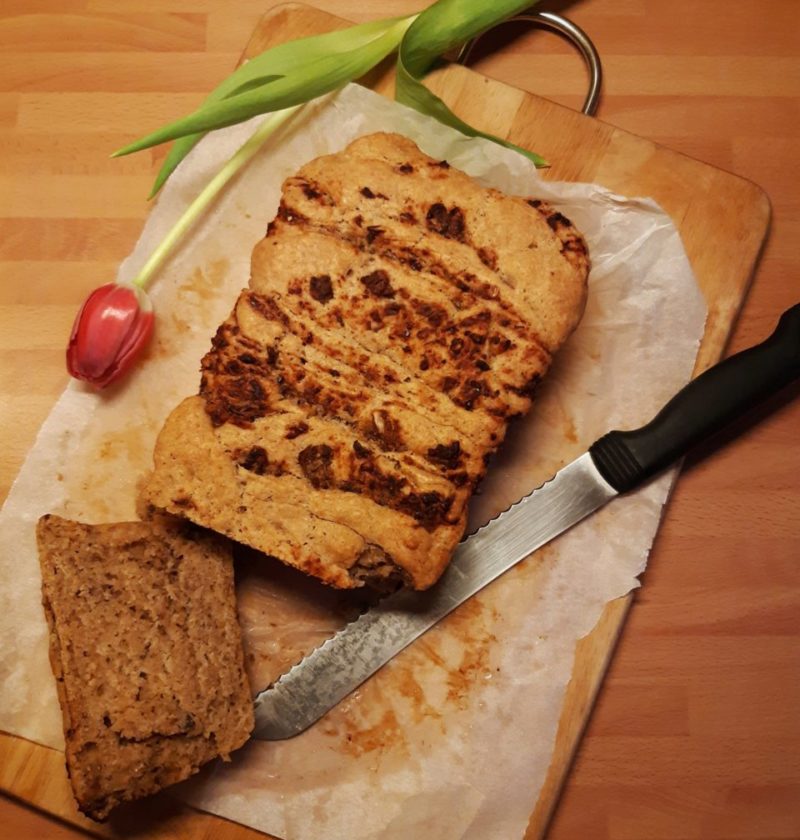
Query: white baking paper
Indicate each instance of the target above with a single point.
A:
(453, 739)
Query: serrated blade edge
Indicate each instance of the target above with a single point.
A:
(332, 671)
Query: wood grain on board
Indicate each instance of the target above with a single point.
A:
(695, 732)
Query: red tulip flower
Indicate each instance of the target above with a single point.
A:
(116, 321)
(111, 328)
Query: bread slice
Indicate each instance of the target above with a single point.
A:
(398, 316)
(147, 653)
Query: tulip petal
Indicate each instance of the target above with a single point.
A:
(112, 326)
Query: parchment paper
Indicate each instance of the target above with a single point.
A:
(453, 739)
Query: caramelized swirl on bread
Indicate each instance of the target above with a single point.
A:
(398, 315)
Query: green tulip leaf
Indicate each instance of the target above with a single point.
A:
(445, 25)
(297, 71)
(286, 75)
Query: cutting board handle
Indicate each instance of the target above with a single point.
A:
(701, 409)
(573, 33)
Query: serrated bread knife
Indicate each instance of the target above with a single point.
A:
(617, 463)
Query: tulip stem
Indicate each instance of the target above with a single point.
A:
(190, 215)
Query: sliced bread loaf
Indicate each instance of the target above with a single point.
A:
(398, 316)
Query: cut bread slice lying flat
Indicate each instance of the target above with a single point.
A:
(147, 653)
(398, 316)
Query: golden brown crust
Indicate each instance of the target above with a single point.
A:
(146, 650)
(398, 315)
(328, 533)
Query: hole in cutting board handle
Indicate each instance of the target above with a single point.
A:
(573, 33)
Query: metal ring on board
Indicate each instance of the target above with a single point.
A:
(572, 33)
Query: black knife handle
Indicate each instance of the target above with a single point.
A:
(706, 405)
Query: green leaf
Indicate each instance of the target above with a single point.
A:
(294, 72)
(300, 70)
(269, 66)
(240, 158)
(442, 26)
(181, 147)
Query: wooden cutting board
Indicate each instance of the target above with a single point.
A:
(723, 221)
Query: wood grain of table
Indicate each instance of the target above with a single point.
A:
(696, 732)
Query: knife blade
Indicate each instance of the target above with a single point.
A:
(616, 463)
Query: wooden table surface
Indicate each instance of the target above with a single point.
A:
(696, 733)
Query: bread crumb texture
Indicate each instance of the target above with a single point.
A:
(147, 653)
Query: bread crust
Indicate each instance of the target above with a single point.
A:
(398, 316)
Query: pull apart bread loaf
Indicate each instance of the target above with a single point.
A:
(398, 315)
(147, 653)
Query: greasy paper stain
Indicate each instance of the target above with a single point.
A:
(570, 432)
(393, 707)
(408, 687)
(179, 325)
(101, 485)
(203, 284)
(470, 624)
(385, 733)
(192, 310)
(536, 564)
(126, 443)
